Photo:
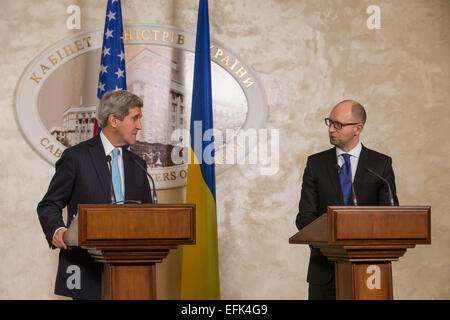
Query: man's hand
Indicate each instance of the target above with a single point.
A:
(58, 239)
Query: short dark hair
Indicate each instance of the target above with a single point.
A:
(116, 102)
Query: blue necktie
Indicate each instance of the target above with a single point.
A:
(345, 184)
(117, 182)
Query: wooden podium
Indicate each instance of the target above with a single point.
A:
(363, 241)
(130, 239)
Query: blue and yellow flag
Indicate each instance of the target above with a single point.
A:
(200, 268)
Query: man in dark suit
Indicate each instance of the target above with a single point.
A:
(83, 177)
(324, 184)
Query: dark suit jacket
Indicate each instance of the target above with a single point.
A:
(82, 177)
(321, 188)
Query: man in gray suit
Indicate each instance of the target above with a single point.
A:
(83, 177)
(324, 184)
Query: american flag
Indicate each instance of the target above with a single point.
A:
(112, 64)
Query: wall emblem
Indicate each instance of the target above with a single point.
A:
(56, 95)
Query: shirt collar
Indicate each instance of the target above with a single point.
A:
(355, 152)
(108, 145)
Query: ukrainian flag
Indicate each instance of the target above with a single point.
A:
(200, 265)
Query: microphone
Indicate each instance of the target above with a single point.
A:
(339, 169)
(113, 195)
(391, 198)
(154, 196)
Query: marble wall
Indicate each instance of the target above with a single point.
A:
(308, 55)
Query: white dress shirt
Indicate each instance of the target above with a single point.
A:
(354, 158)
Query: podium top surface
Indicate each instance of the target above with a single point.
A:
(132, 224)
(368, 225)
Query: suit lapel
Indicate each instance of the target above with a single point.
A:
(127, 171)
(334, 175)
(97, 153)
(360, 170)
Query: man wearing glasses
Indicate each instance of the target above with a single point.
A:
(326, 182)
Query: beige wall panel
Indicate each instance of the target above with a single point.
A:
(308, 55)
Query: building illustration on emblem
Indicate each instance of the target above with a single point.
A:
(159, 76)
(160, 72)
(156, 77)
(78, 125)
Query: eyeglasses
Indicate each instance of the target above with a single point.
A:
(336, 124)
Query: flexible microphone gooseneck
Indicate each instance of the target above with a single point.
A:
(339, 169)
(113, 195)
(154, 196)
(391, 197)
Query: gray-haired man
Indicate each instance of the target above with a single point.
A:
(82, 176)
